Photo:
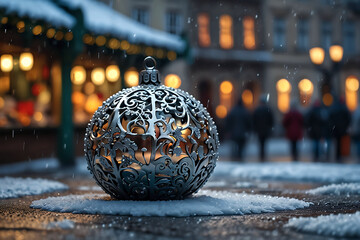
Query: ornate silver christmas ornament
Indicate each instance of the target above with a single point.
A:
(151, 142)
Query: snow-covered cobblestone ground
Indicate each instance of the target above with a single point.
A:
(205, 203)
(16, 187)
(340, 225)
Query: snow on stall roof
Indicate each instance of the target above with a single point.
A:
(39, 9)
(341, 225)
(299, 171)
(337, 189)
(102, 19)
(205, 203)
(16, 187)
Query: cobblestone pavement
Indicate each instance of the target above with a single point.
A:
(19, 221)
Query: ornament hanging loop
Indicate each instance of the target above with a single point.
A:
(149, 76)
(149, 63)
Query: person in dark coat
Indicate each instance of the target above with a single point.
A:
(317, 126)
(293, 123)
(238, 125)
(355, 131)
(263, 122)
(340, 119)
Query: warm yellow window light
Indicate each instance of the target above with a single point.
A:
(306, 86)
(249, 33)
(327, 99)
(226, 87)
(131, 78)
(112, 73)
(352, 83)
(6, 62)
(336, 53)
(78, 75)
(283, 86)
(172, 80)
(26, 61)
(203, 30)
(226, 34)
(98, 76)
(247, 97)
(221, 111)
(317, 55)
(351, 92)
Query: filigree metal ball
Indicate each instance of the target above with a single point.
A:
(151, 142)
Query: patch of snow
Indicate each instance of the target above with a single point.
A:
(89, 188)
(99, 18)
(39, 9)
(341, 225)
(299, 171)
(16, 187)
(214, 184)
(337, 189)
(64, 224)
(38, 165)
(205, 203)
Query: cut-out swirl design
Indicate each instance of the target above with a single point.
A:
(151, 142)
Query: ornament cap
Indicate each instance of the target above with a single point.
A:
(149, 76)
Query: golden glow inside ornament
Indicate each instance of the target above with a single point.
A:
(151, 142)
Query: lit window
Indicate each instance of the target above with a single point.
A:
(351, 92)
(249, 33)
(303, 35)
(279, 34)
(283, 88)
(226, 35)
(141, 15)
(203, 28)
(174, 22)
(225, 91)
(306, 89)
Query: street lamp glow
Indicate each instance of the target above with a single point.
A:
(112, 73)
(247, 97)
(306, 86)
(336, 53)
(317, 55)
(172, 80)
(98, 76)
(6, 62)
(283, 86)
(352, 83)
(226, 87)
(131, 78)
(78, 75)
(26, 61)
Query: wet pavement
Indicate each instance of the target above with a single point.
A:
(19, 221)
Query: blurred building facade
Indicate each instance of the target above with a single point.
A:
(246, 49)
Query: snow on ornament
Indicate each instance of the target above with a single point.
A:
(151, 142)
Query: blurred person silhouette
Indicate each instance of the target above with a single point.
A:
(340, 119)
(317, 126)
(355, 131)
(238, 125)
(293, 123)
(263, 122)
